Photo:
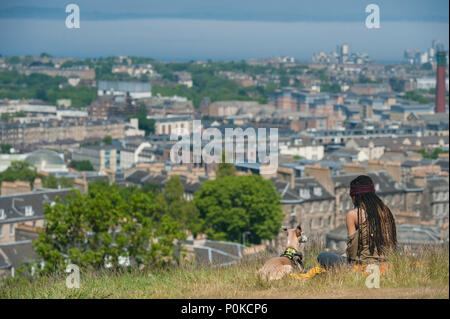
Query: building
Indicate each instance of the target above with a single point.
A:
(113, 106)
(81, 71)
(227, 108)
(374, 148)
(47, 161)
(242, 79)
(401, 112)
(135, 151)
(25, 209)
(134, 89)
(286, 99)
(184, 78)
(174, 125)
(304, 147)
(427, 83)
(307, 202)
(102, 157)
(369, 88)
(436, 200)
(22, 134)
(15, 254)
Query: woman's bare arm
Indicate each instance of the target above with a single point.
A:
(351, 221)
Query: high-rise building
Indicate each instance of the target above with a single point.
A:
(343, 52)
(441, 59)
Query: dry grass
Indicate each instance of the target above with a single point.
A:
(430, 280)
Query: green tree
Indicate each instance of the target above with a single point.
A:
(95, 229)
(225, 169)
(174, 189)
(414, 96)
(231, 205)
(181, 210)
(50, 181)
(83, 165)
(331, 88)
(19, 171)
(65, 182)
(148, 125)
(434, 154)
(107, 140)
(5, 148)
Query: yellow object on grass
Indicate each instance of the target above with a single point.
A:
(362, 268)
(311, 273)
(384, 268)
(318, 270)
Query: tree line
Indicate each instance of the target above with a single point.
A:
(147, 225)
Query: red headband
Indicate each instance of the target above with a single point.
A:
(361, 189)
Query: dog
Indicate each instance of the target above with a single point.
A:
(278, 267)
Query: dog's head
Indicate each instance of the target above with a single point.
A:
(294, 237)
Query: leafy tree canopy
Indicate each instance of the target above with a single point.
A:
(231, 205)
(100, 228)
(83, 165)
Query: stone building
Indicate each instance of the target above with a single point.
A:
(25, 209)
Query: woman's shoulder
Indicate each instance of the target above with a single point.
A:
(353, 215)
(352, 212)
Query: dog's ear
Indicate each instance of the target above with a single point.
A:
(298, 231)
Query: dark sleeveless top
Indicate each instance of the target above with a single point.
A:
(364, 256)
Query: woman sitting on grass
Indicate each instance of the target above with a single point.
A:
(370, 226)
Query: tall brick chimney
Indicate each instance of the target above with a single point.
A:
(441, 58)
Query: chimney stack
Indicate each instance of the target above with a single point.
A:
(322, 175)
(441, 58)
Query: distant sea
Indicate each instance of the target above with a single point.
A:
(183, 39)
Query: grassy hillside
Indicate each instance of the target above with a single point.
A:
(404, 280)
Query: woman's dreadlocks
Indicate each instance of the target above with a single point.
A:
(381, 223)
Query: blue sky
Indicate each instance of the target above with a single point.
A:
(235, 10)
(226, 29)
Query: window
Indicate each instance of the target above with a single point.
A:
(28, 211)
(1, 231)
(2, 214)
(11, 229)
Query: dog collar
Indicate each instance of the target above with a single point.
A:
(289, 253)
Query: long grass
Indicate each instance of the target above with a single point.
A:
(422, 274)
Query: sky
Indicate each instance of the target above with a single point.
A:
(222, 30)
